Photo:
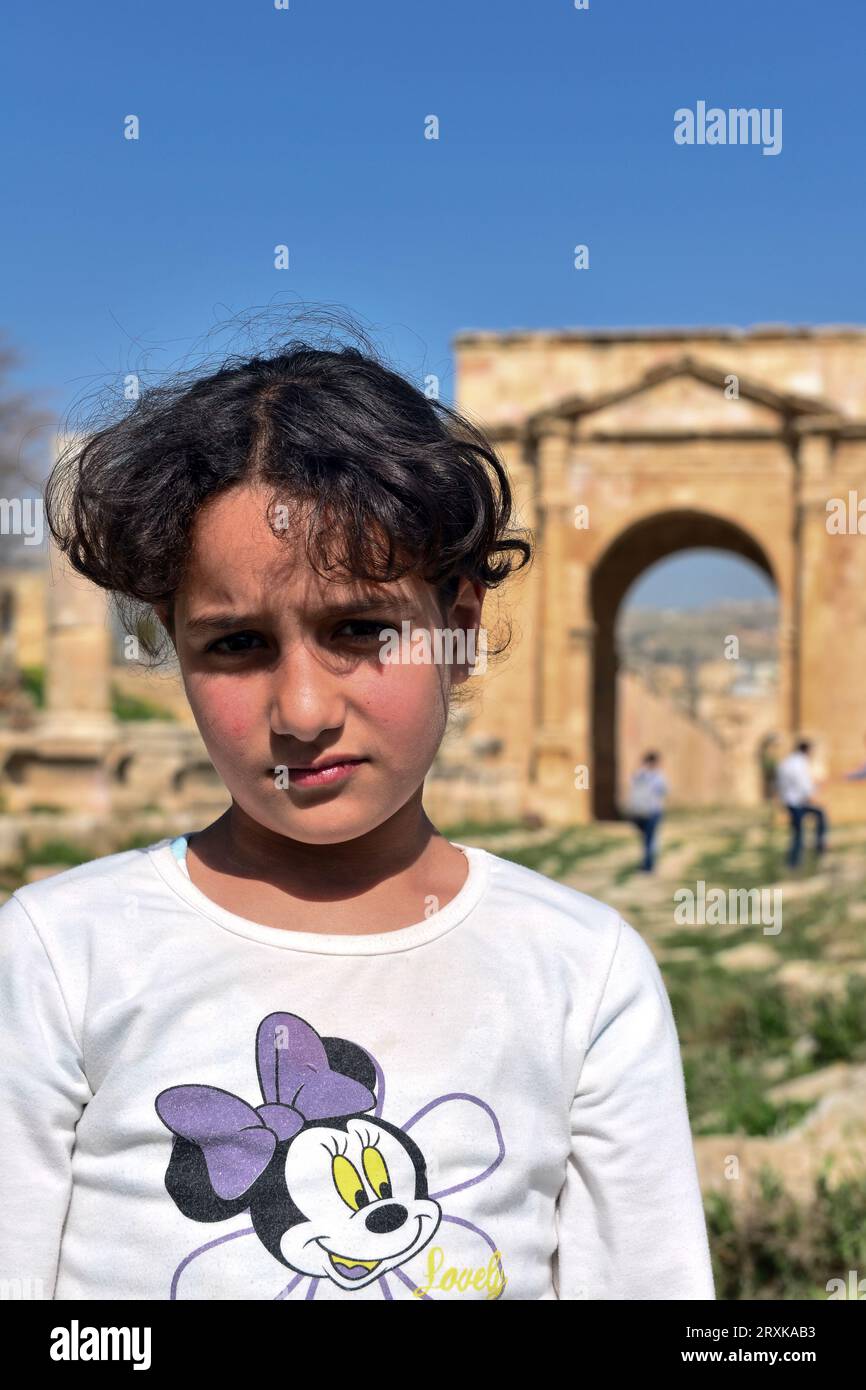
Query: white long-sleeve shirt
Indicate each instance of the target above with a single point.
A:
(794, 781)
(486, 1104)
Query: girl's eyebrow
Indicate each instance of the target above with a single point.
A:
(208, 622)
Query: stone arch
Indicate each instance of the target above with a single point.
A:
(763, 426)
(626, 557)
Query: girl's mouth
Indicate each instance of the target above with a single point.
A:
(325, 773)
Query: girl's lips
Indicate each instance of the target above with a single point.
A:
(324, 775)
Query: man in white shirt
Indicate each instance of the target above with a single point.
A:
(796, 788)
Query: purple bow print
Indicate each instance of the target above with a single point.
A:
(298, 1084)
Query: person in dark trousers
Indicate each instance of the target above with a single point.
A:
(647, 791)
(796, 788)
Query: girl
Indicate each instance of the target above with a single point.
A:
(315, 1049)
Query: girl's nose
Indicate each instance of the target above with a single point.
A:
(307, 698)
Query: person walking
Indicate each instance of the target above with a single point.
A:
(647, 791)
(796, 787)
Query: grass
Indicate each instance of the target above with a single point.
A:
(839, 1025)
(717, 867)
(473, 829)
(803, 932)
(54, 852)
(772, 1247)
(558, 855)
(61, 854)
(130, 707)
(727, 1095)
(731, 1025)
(627, 871)
(33, 681)
(704, 943)
(123, 706)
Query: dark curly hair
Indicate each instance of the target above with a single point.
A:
(383, 480)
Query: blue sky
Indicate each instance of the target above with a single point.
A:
(305, 127)
(693, 578)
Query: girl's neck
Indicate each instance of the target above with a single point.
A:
(236, 845)
(392, 877)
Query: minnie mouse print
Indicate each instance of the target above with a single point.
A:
(334, 1192)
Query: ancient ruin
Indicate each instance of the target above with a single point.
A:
(624, 447)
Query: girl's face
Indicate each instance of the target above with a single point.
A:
(314, 735)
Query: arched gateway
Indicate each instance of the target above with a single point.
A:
(634, 550)
(625, 447)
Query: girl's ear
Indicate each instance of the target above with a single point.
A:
(465, 615)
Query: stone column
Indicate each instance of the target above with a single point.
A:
(821, 602)
(78, 657)
(833, 641)
(562, 741)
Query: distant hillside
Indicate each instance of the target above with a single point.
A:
(673, 636)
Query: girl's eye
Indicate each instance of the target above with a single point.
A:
(362, 630)
(242, 637)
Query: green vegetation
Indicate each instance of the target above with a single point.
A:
(727, 1095)
(839, 1025)
(33, 681)
(733, 1027)
(776, 1248)
(131, 707)
(557, 855)
(55, 852)
(481, 830)
(63, 854)
(123, 706)
(138, 841)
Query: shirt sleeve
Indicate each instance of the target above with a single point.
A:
(630, 1216)
(43, 1090)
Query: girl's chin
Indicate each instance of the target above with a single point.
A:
(328, 823)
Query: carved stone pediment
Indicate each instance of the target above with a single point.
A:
(683, 397)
